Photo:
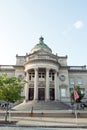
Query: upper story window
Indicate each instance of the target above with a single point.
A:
(51, 76)
(31, 76)
(72, 81)
(41, 76)
(21, 77)
(76, 80)
(79, 81)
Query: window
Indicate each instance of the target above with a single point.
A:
(31, 76)
(51, 76)
(72, 81)
(41, 76)
(21, 77)
(79, 81)
(71, 89)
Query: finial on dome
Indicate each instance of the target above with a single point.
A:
(41, 40)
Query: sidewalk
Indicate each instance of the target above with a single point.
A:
(51, 122)
(43, 121)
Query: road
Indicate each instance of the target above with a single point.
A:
(38, 128)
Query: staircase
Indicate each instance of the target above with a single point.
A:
(46, 109)
(42, 105)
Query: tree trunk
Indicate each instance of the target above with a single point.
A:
(6, 114)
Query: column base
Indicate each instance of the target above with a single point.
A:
(46, 100)
(35, 100)
(25, 101)
(56, 100)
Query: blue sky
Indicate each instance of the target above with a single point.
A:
(62, 23)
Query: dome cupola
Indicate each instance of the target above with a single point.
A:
(41, 46)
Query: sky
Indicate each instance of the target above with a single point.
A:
(62, 23)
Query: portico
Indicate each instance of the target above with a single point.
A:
(42, 84)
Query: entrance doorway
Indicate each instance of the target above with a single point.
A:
(41, 93)
(52, 94)
(31, 93)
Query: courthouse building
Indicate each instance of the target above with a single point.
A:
(48, 75)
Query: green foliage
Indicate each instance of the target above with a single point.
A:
(10, 88)
(77, 88)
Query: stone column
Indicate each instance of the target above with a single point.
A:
(27, 87)
(68, 91)
(58, 89)
(55, 84)
(47, 84)
(36, 84)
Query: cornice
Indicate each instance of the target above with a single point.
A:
(42, 60)
(83, 71)
(18, 66)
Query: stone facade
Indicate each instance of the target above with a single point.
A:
(48, 75)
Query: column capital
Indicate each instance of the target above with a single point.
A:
(56, 72)
(27, 71)
(27, 76)
(36, 69)
(47, 69)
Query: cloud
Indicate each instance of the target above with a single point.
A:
(78, 24)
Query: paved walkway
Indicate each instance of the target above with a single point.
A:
(50, 122)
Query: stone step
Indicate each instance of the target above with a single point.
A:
(45, 113)
(42, 105)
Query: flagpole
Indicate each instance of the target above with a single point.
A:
(76, 112)
(76, 96)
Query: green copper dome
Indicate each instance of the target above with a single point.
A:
(41, 45)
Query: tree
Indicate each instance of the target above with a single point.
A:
(77, 88)
(10, 89)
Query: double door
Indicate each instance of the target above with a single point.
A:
(41, 93)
